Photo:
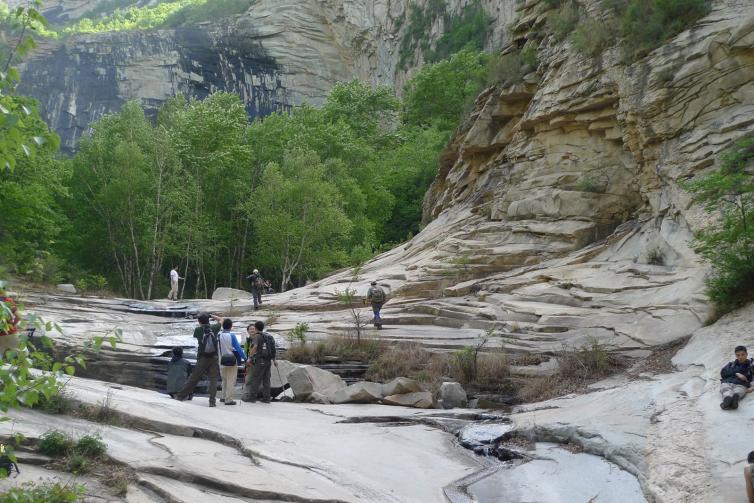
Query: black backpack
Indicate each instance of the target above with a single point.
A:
(267, 351)
(7, 465)
(209, 334)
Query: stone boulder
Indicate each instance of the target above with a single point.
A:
(279, 374)
(360, 392)
(452, 395)
(307, 380)
(419, 400)
(67, 288)
(231, 293)
(400, 386)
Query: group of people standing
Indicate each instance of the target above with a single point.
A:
(219, 354)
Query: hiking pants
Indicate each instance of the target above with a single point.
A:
(257, 294)
(260, 375)
(211, 366)
(376, 307)
(730, 389)
(229, 374)
(173, 295)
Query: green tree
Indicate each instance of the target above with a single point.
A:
(440, 93)
(728, 244)
(300, 223)
(127, 186)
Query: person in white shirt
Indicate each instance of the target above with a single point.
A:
(173, 295)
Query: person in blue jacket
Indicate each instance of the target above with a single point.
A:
(231, 356)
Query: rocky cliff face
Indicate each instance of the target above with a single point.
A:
(557, 217)
(278, 54)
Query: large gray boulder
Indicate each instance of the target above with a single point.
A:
(419, 400)
(67, 288)
(279, 374)
(401, 386)
(360, 392)
(307, 380)
(452, 395)
(231, 293)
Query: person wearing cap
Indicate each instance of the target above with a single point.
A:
(377, 297)
(257, 285)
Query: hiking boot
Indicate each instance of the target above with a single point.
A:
(266, 401)
(726, 402)
(230, 402)
(176, 397)
(734, 402)
(212, 403)
(222, 400)
(248, 400)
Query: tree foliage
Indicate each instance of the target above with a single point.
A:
(728, 243)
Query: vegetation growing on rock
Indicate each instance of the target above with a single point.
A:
(728, 242)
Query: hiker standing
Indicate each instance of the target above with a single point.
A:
(179, 370)
(261, 359)
(174, 277)
(231, 356)
(377, 297)
(206, 360)
(257, 285)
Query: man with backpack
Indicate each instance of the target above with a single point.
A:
(257, 285)
(377, 297)
(261, 359)
(206, 361)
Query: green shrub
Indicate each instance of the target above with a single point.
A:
(646, 24)
(43, 493)
(59, 403)
(592, 36)
(562, 22)
(299, 333)
(464, 360)
(55, 443)
(90, 446)
(78, 464)
(511, 68)
(728, 243)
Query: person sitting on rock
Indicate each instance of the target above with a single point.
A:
(748, 477)
(736, 379)
(179, 369)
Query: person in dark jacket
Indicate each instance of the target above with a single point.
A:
(257, 285)
(179, 369)
(258, 366)
(736, 379)
(207, 361)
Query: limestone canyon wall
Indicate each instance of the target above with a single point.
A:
(278, 54)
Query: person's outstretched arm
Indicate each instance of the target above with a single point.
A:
(237, 347)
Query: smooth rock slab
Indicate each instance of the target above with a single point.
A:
(67, 288)
(559, 476)
(307, 380)
(419, 400)
(231, 294)
(360, 392)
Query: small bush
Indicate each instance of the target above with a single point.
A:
(59, 403)
(118, 481)
(464, 363)
(90, 446)
(43, 493)
(103, 412)
(646, 24)
(55, 443)
(511, 68)
(562, 22)
(591, 37)
(401, 360)
(298, 334)
(344, 348)
(78, 464)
